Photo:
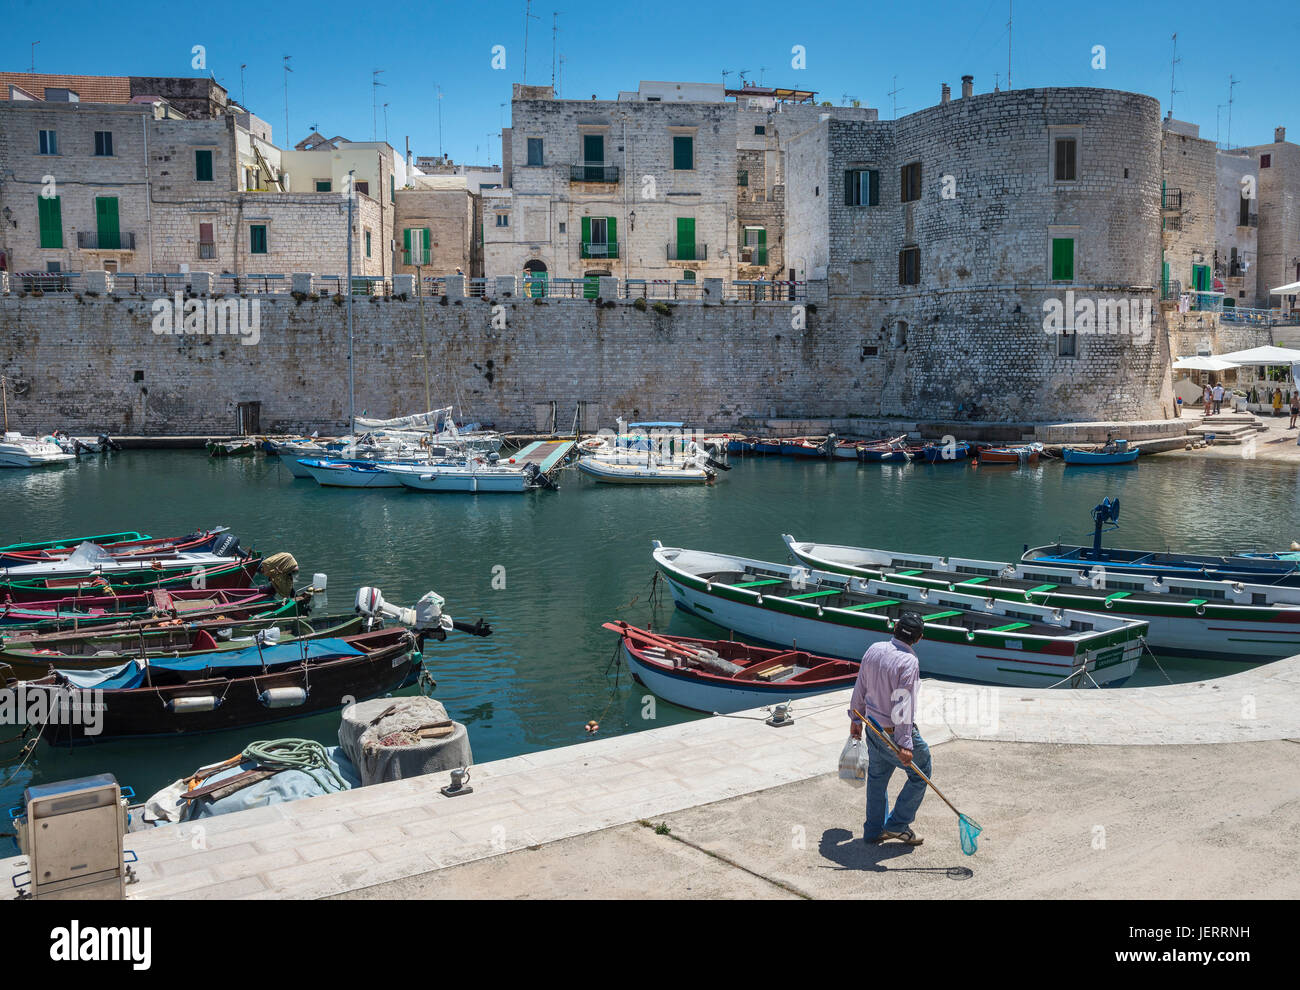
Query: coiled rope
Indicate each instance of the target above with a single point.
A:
(306, 755)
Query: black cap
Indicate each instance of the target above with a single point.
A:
(909, 626)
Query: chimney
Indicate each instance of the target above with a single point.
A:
(1279, 134)
(967, 87)
(945, 94)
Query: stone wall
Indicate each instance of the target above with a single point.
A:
(1279, 216)
(1189, 167)
(449, 215)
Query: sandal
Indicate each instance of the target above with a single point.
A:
(906, 836)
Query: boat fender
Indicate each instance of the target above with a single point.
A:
(925, 594)
(758, 600)
(194, 703)
(708, 587)
(1200, 609)
(1109, 603)
(820, 612)
(283, 697)
(970, 635)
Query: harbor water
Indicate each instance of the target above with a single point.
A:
(547, 568)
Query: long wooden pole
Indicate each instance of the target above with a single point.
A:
(890, 743)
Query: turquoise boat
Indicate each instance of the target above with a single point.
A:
(1125, 456)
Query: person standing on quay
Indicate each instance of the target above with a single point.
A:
(1218, 397)
(1295, 409)
(885, 693)
(1207, 397)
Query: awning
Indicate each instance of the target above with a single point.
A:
(1204, 363)
(1268, 354)
(1290, 289)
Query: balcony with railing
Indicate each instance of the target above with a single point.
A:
(1248, 220)
(1171, 199)
(594, 172)
(1170, 290)
(92, 240)
(590, 249)
(688, 252)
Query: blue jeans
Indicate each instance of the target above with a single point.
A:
(881, 764)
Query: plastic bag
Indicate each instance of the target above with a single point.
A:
(853, 762)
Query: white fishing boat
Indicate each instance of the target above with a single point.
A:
(348, 474)
(91, 559)
(475, 475)
(644, 471)
(967, 637)
(19, 451)
(1187, 616)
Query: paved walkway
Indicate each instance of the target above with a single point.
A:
(1276, 443)
(398, 831)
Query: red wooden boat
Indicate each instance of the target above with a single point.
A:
(199, 541)
(718, 675)
(72, 612)
(1019, 454)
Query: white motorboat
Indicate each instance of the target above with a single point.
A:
(348, 474)
(19, 451)
(644, 471)
(473, 474)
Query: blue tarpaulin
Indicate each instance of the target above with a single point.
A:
(131, 674)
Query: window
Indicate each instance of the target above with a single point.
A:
(49, 143)
(753, 249)
(1265, 161)
(325, 185)
(49, 210)
(1067, 344)
(909, 266)
(683, 153)
(257, 238)
(367, 244)
(203, 165)
(415, 245)
(742, 178)
(534, 151)
(1066, 159)
(688, 275)
(599, 237)
(562, 226)
(103, 144)
(503, 219)
(1243, 214)
(107, 232)
(392, 189)
(1062, 259)
(207, 246)
(362, 187)
(910, 182)
(862, 187)
(685, 240)
(760, 128)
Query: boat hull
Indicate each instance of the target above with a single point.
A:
(348, 475)
(610, 473)
(1084, 457)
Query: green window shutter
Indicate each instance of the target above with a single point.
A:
(593, 149)
(1062, 259)
(367, 244)
(257, 239)
(392, 189)
(406, 246)
(203, 165)
(683, 153)
(874, 187)
(762, 247)
(850, 187)
(685, 238)
(110, 238)
(426, 243)
(50, 211)
(586, 230)
(611, 226)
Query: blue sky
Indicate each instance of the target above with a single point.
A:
(854, 49)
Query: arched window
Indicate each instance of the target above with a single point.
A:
(535, 279)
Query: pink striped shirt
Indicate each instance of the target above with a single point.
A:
(886, 688)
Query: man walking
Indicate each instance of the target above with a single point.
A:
(885, 693)
(1218, 397)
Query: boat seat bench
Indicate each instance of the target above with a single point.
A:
(1010, 627)
(759, 584)
(814, 594)
(866, 605)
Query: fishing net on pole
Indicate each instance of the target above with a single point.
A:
(970, 832)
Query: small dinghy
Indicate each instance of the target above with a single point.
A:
(232, 448)
(1114, 452)
(723, 676)
(647, 472)
(1027, 453)
(98, 611)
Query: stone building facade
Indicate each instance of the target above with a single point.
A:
(1188, 210)
(434, 227)
(952, 237)
(1236, 228)
(1279, 214)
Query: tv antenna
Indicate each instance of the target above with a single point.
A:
(374, 104)
(1173, 68)
(1232, 82)
(34, 44)
(528, 15)
(287, 70)
(893, 95)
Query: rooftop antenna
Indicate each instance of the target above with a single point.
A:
(762, 71)
(374, 104)
(34, 44)
(439, 87)
(741, 73)
(555, 43)
(559, 82)
(287, 70)
(385, 123)
(528, 15)
(1010, 12)
(725, 73)
(1232, 82)
(1173, 68)
(242, 99)
(893, 95)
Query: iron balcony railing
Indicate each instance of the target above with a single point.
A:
(593, 173)
(1171, 199)
(1170, 289)
(1174, 222)
(1251, 220)
(688, 252)
(44, 281)
(1254, 317)
(92, 240)
(591, 250)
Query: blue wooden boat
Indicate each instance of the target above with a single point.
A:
(935, 453)
(1273, 569)
(1123, 454)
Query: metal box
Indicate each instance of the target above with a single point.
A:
(71, 832)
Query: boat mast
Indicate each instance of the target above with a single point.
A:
(352, 392)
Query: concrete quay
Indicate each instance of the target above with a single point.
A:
(1176, 790)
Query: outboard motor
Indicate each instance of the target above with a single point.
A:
(426, 618)
(227, 545)
(538, 479)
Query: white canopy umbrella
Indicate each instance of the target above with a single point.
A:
(1290, 289)
(1204, 363)
(1268, 354)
